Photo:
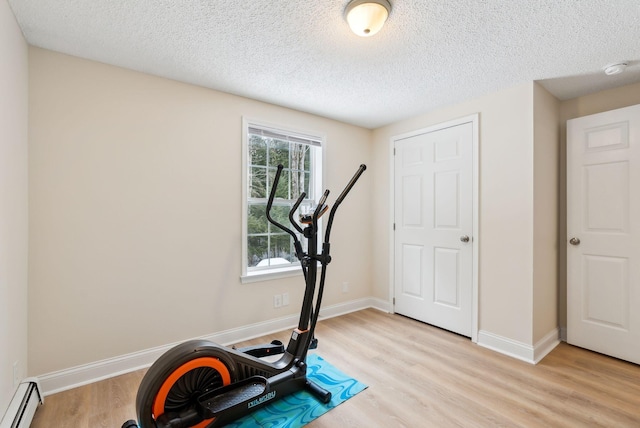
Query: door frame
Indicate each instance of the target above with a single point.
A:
(474, 119)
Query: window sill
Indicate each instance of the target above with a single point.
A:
(271, 274)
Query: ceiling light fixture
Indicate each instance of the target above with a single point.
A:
(366, 17)
(613, 69)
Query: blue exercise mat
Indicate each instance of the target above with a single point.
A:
(300, 408)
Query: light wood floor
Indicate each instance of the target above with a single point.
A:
(418, 376)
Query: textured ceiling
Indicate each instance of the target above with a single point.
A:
(301, 53)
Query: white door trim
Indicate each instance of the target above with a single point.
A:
(474, 119)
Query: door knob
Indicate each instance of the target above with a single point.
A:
(464, 238)
(574, 241)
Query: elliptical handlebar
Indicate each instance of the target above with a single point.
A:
(338, 201)
(293, 209)
(272, 196)
(319, 210)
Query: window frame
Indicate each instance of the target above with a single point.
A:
(274, 272)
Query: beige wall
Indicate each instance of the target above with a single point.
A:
(136, 207)
(546, 153)
(13, 202)
(506, 206)
(582, 106)
(135, 193)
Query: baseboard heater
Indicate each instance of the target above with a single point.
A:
(23, 405)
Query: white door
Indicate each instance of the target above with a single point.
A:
(433, 250)
(603, 226)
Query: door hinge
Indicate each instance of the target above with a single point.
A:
(394, 301)
(394, 226)
(394, 151)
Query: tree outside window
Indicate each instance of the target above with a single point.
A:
(268, 247)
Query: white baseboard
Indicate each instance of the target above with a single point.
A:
(73, 377)
(522, 351)
(546, 345)
(563, 334)
(381, 305)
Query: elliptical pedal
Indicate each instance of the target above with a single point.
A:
(227, 397)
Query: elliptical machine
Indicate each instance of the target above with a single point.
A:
(200, 384)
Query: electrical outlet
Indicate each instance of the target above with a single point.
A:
(277, 300)
(285, 299)
(16, 373)
(345, 287)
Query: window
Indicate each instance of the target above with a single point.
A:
(267, 250)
